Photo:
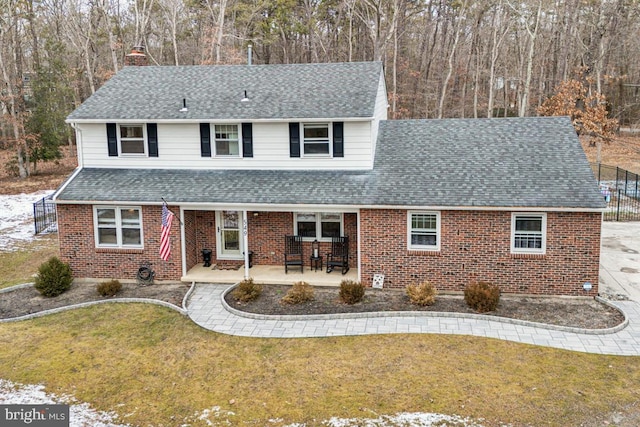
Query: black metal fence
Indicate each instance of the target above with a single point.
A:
(621, 190)
(44, 215)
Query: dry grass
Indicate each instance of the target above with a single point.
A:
(158, 368)
(20, 266)
(623, 151)
(49, 175)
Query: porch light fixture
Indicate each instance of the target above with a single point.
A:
(184, 108)
(245, 99)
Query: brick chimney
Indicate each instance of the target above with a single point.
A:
(136, 58)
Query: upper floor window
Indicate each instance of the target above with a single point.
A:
(132, 139)
(528, 233)
(316, 140)
(318, 225)
(423, 229)
(118, 227)
(316, 137)
(227, 142)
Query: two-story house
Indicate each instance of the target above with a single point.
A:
(246, 155)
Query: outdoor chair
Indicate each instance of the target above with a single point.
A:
(293, 253)
(339, 255)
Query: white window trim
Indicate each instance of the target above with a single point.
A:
(214, 151)
(330, 140)
(145, 142)
(540, 251)
(435, 247)
(318, 226)
(118, 226)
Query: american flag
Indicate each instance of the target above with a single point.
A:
(165, 237)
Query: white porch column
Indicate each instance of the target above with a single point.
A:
(183, 245)
(245, 239)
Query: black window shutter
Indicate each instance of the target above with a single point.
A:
(152, 139)
(112, 139)
(294, 139)
(338, 139)
(205, 140)
(247, 140)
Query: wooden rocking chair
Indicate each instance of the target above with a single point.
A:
(339, 255)
(293, 256)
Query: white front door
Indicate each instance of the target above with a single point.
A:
(229, 234)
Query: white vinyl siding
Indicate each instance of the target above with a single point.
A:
(528, 233)
(380, 113)
(423, 231)
(179, 148)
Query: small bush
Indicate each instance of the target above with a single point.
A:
(422, 294)
(110, 288)
(246, 291)
(351, 292)
(300, 292)
(54, 277)
(482, 296)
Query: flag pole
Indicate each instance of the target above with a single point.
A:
(164, 202)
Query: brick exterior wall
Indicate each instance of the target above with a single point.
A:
(78, 247)
(266, 236)
(475, 246)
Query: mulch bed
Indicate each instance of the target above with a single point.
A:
(28, 300)
(579, 313)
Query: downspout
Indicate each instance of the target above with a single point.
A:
(80, 162)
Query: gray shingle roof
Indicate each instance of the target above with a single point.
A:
(517, 162)
(337, 90)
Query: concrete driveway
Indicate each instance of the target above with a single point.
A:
(620, 261)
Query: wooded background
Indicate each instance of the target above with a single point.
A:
(442, 58)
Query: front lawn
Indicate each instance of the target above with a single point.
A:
(155, 367)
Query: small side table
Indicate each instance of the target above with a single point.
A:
(316, 262)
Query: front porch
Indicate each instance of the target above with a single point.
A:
(269, 275)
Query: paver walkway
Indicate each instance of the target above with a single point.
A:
(619, 276)
(206, 309)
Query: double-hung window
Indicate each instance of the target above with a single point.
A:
(528, 233)
(227, 141)
(318, 225)
(118, 227)
(316, 139)
(132, 139)
(423, 229)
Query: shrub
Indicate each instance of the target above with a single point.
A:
(482, 296)
(351, 291)
(300, 292)
(246, 291)
(110, 288)
(422, 294)
(54, 277)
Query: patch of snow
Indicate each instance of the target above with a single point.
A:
(16, 219)
(403, 419)
(80, 414)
